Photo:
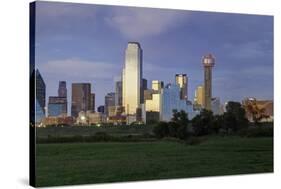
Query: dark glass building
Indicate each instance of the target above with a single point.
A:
(57, 106)
(93, 101)
(62, 91)
(109, 100)
(101, 109)
(81, 98)
(40, 91)
(118, 93)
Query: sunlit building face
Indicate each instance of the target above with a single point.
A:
(157, 85)
(199, 96)
(181, 80)
(154, 104)
(132, 78)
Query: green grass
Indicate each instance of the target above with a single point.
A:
(83, 163)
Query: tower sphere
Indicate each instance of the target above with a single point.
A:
(208, 60)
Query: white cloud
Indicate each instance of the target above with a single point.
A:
(77, 68)
(137, 23)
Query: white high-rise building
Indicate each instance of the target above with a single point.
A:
(132, 78)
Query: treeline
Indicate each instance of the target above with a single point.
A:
(97, 137)
(233, 121)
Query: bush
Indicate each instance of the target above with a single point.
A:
(202, 124)
(161, 130)
(257, 132)
(194, 140)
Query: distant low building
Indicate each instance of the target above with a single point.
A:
(58, 120)
(152, 117)
(216, 106)
(57, 106)
(101, 109)
(95, 118)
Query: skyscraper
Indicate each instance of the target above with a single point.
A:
(118, 93)
(57, 106)
(81, 98)
(182, 81)
(132, 78)
(199, 96)
(62, 91)
(93, 101)
(157, 85)
(208, 63)
(40, 91)
(109, 101)
(170, 101)
(144, 84)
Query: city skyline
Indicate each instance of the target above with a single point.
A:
(85, 53)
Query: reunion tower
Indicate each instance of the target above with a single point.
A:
(208, 63)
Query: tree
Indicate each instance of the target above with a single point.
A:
(161, 129)
(235, 109)
(202, 124)
(179, 124)
(257, 113)
(229, 122)
(180, 117)
(217, 123)
(173, 128)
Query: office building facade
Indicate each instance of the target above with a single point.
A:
(199, 96)
(109, 100)
(93, 102)
(62, 91)
(171, 101)
(57, 106)
(182, 82)
(81, 98)
(40, 92)
(118, 93)
(132, 78)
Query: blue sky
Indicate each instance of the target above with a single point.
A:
(86, 43)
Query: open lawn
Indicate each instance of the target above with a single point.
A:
(82, 163)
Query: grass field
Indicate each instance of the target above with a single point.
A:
(82, 163)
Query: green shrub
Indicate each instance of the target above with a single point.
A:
(257, 132)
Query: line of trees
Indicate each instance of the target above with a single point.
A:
(232, 121)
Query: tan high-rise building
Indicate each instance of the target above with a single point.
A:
(199, 96)
(132, 78)
(182, 81)
(81, 98)
(208, 63)
(157, 85)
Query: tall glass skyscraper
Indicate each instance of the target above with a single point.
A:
(109, 101)
(81, 98)
(171, 101)
(40, 91)
(118, 93)
(132, 78)
(62, 91)
(181, 80)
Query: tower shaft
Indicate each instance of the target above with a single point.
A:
(207, 87)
